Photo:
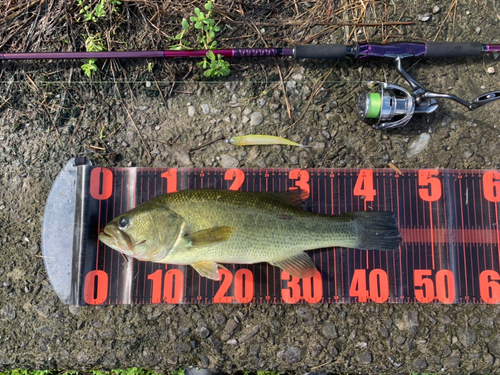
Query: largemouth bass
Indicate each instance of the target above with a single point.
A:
(206, 227)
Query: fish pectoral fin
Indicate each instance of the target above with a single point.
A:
(300, 266)
(208, 269)
(209, 236)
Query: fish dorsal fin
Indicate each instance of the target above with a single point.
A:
(209, 236)
(295, 197)
(300, 266)
(208, 269)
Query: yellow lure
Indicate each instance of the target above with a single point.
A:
(255, 139)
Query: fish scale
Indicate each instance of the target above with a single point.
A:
(249, 214)
(208, 226)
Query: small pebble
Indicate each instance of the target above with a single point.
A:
(148, 83)
(205, 108)
(491, 70)
(256, 118)
(436, 9)
(478, 30)
(424, 17)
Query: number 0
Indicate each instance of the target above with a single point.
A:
(95, 289)
(101, 183)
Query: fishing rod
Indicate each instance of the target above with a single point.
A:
(384, 106)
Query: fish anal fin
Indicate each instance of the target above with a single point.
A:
(208, 269)
(209, 236)
(300, 266)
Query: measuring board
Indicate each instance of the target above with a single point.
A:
(448, 221)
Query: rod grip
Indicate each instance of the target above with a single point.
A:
(452, 49)
(320, 51)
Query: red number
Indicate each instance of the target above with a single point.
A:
(358, 286)
(313, 293)
(290, 293)
(172, 293)
(489, 287)
(101, 189)
(156, 287)
(491, 186)
(364, 185)
(171, 176)
(445, 286)
(95, 289)
(174, 280)
(302, 182)
(312, 288)
(426, 294)
(220, 296)
(432, 191)
(237, 175)
(243, 285)
(379, 285)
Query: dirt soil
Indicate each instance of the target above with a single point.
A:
(126, 115)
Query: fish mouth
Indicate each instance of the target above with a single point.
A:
(105, 235)
(108, 235)
(116, 239)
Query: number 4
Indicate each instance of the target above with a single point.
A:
(364, 185)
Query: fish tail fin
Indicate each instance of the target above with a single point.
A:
(377, 230)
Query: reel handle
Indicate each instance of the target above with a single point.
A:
(485, 98)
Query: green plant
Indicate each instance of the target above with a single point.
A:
(204, 28)
(92, 44)
(214, 66)
(94, 11)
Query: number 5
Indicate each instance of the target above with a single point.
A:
(432, 191)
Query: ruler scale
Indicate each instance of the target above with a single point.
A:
(448, 220)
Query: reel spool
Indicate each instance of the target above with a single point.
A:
(390, 103)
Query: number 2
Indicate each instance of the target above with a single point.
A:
(237, 176)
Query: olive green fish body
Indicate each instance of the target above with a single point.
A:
(264, 227)
(206, 227)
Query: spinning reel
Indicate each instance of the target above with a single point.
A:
(393, 106)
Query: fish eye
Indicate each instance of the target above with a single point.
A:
(124, 222)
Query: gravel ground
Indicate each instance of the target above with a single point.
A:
(37, 331)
